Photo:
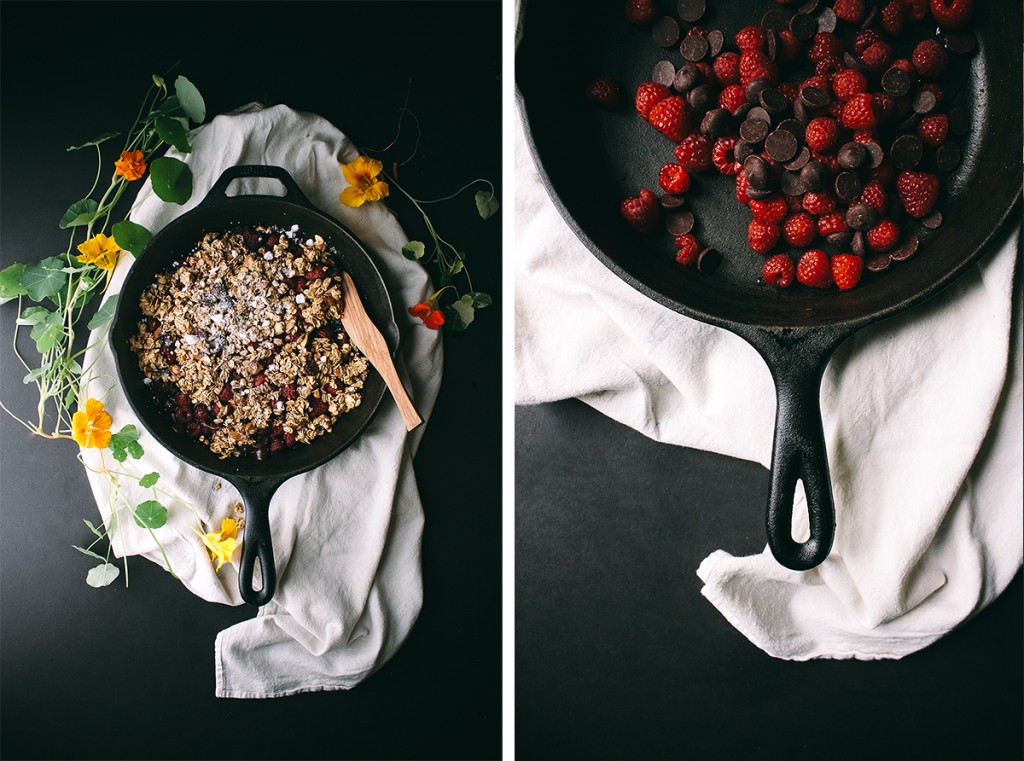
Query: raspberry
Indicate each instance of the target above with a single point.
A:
(674, 179)
(952, 14)
(799, 230)
(741, 187)
(917, 192)
(647, 95)
(288, 391)
(751, 38)
(933, 129)
(762, 237)
(850, 10)
(848, 83)
(846, 270)
(732, 97)
(641, 212)
(865, 39)
(727, 68)
(858, 113)
(771, 211)
(832, 223)
(929, 58)
(818, 80)
(819, 203)
(915, 9)
(604, 91)
(788, 46)
(641, 12)
(755, 65)
(687, 249)
(882, 173)
(671, 117)
(826, 45)
(893, 17)
(828, 68)
(883, 236)
(707, 72)
(814, 269)
(905, 65)
(694, 152)
(779, 271)
(878, 56)
(874, 195)
(884, 104)
(789, 90)
(865, 136)
(828, 159)
(821, 133)
(722, 155)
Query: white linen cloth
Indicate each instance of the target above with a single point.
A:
(347, 535)
(922, 419)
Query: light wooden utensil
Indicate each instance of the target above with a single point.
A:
(370, 342)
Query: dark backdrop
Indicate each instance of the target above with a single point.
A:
(116, 673)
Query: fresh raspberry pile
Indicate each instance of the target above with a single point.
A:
(834, 140)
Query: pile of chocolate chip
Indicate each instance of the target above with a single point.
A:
(835, 140)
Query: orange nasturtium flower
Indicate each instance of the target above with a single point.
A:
(221, 544)
(101, 251)
(432, 318)
(363, 183)
(130, 165)
(91, 427)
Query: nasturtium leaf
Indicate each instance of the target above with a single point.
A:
(135, 449)
(168, 107)
(69, 398)
(44, 279)
(191, 100)
(172, 132)
(95, 141)
(127, 434)
(151, 514)
(102, 575)
(456, 267)
(10, 283)
(172, 180)
(131, 237)
(148, 480)
(49, 333)
(460, 313)
(104, 313)
(90, 553)
(413, 250)
(481, 299)
(119, 454)
(33, 315)
(486, 203)
(79, 213)
(92, 527)
(34, 375)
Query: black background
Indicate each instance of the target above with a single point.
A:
(118, 673)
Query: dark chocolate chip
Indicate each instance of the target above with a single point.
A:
(759, 195)
(857, 243)
(959, 121)
(792, 125)
(875, 154)
(851, 155)
(815, 97)
(716, 123)
(800, 112)
(827, 20)
(741, 113)
(799, 161)
(686, 77)
(781, 145)
(758, 172)
(664, 73)
(775, 20)
(961, 41)
(759, 113)
(665, 31)
(754, 130)
(771, 44)
(933, 221)
(773, 101)
(701, 97)
(878, 262)
(693, 47)
(708, 260)
(679, 222)
(756, 87)
(691, 10)
(870, 18)
(908, 124)
(791, 184)
(853, 62)
(906, 250)
(906, 151)
(840, 240)
(860, 216)
(924, 101)
(803, 26)
(896, 82)
(947, 156)
(716, 41)
(669, 201)
(848, 186)
(816, 176)
(810, 6)
(742, 150)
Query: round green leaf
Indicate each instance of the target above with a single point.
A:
(79, 213)
(191, 100)
(43, 279)
(486, 203)
(131, 237)
(149, 480)
(151, 514)
(172, 180)
(104, 313)
(172, 131)
(102, 575)
(95, 141)
(10, 283)
(481, 299)
(413, 250)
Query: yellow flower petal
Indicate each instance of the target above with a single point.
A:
(362, 171)
(228, 528)
(352, 196)
(377, 191)
(99, 250)
(90, 428)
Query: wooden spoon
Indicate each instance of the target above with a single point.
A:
(369, 341)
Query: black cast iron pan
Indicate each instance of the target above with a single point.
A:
(256, 481)
(591, 159)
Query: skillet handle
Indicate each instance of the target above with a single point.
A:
(217, 193)
(257, 544)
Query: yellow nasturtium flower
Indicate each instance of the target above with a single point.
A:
(91, 427)
(221, 544)
(100, 250)
(363, 183)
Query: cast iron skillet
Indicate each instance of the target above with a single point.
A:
(591, 159)
(256, 481)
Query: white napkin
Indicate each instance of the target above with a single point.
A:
(347, 535)
(922, 418)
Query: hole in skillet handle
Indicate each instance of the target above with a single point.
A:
(218, 193)
(257, 544)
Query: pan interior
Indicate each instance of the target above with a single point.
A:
(175, 242)
(592, 159)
